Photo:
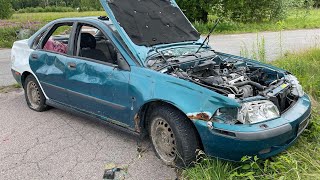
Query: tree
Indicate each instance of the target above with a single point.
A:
(252, 10)
(5, 9)
(195, 10)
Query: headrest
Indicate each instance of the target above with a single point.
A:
(88, 41)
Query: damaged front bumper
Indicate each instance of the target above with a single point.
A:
(265, 139)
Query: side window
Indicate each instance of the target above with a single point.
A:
(93, 44)
(38, 39)
(57, 40)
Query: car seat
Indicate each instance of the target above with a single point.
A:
(88, 45)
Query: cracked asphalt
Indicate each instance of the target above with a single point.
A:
(58, 145)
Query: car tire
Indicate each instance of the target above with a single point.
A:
(173, 137)
(34, 95)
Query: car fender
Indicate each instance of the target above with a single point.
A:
(20, 54)
(197, 102)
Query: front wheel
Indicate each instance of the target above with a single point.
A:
(173, 136)
(34, 95)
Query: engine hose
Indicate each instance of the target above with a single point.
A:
(209, 87)
(280, 82)
(257, 85)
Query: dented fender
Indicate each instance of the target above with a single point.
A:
(196, 102)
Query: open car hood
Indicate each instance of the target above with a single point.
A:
(146, 23)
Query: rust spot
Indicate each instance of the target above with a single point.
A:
(199, 116)
(137, 123)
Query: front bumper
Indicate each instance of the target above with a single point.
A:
(266, 139)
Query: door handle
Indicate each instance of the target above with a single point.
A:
(72, 65)
(34, 56)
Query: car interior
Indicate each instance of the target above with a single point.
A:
(58, 40)
(91, 43)
(94, 45)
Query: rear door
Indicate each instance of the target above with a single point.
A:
(49, 61)
(95, 83)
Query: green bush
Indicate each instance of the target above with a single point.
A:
(317, 3)
(252, 10)
(195, 10)
(5, 9)
(46, 9)
(8, 36)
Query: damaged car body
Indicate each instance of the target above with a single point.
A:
(144, 69)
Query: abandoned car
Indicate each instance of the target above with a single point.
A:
(145, 69)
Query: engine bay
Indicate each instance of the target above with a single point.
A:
(235, 78)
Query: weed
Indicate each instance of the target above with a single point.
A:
(297, 19)
(258, 50)
(6, 89)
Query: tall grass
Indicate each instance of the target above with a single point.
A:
(258, 50)
(301, 161)
(8, 36)
(297, 19)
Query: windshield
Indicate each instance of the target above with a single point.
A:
(183, 51)
(162, 58)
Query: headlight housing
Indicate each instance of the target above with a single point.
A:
(248, 113)
(258, 111)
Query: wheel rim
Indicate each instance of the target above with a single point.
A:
(163, 140)
(33, 94)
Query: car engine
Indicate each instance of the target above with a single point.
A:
(237, 79)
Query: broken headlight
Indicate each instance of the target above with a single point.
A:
(257, 111)
(226, 115)
(296, 87)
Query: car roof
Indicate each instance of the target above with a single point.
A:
(100, 19)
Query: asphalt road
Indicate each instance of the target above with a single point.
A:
(59, 145)
(6, 78)
(276, 43)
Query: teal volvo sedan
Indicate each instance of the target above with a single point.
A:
(145, 69)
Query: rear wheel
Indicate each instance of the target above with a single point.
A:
(34, 95)
(173, 136)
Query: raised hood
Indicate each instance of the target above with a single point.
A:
(150, 22)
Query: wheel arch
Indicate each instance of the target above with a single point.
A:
(141, 117)
(25, 74)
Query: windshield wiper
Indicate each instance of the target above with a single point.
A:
(163, 57)
(208, 37)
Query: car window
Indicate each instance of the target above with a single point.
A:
(38, 39)
(95, 45)
(58, 39)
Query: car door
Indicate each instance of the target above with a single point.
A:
(49, 61)
(95, 83)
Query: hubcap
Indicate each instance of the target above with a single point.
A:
(164, 140)
(33, 94)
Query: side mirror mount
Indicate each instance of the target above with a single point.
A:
(122, 63)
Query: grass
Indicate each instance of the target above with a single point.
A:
(297, 19)
(301, 161)
(47, 17)
(7, 89)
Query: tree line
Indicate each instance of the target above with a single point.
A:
(21, 4)
(196, 10)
